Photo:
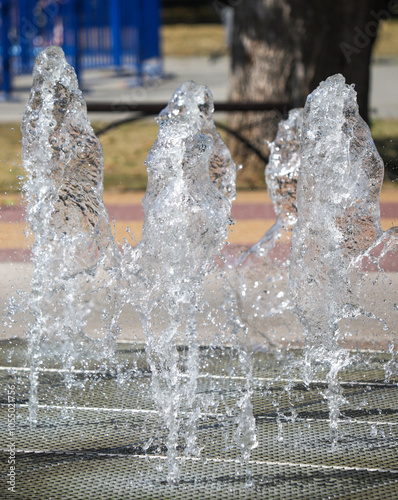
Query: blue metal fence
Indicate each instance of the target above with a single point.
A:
(92, 33)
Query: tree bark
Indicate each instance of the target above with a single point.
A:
(282, 50)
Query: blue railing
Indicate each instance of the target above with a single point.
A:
(93, 34)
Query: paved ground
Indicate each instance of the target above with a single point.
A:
(104, 85)
(252, 210)
(384, 95)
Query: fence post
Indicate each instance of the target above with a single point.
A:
(73, 13)
(114, 14)
(6, 46)
(25, 42)
(141, 41)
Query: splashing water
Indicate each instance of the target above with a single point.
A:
(339, 219)
(377, 296)
(185, 227)
(73, 251)
(262, 282)
(191, 185)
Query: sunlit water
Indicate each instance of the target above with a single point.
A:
(338, 220)
(262, 271)
(82, 281)
(74, 254)
(191, 184)
(187, 206)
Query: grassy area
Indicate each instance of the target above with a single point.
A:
(10, 158)
(386, 45)
(184, 40)
(126, 147)
(125, 150)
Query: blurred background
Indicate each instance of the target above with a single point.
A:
(260, 56)
(129, 52)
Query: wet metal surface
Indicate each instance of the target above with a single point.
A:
(102, 437)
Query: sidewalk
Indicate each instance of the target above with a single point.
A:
(105, 85)
(252, 211)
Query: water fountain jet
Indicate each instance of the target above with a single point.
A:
(187, 206)
(118, 436)
(74, 253)
(338, 220)
(262, 271)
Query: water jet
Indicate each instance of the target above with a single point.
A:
(194, 411)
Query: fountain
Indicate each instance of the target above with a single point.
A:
(191, 179)
(338, 221)
(194, 411)
(73, 251)
(262, 271)
(186, 219)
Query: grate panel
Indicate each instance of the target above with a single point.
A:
(112, 444)
(127, 477)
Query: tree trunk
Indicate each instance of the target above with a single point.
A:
(282, 50)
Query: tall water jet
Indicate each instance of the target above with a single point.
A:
(375, 324)
(185, 227)
(339, 219)
(262, 283)
(74, 253)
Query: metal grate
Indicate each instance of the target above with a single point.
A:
(111, 445)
